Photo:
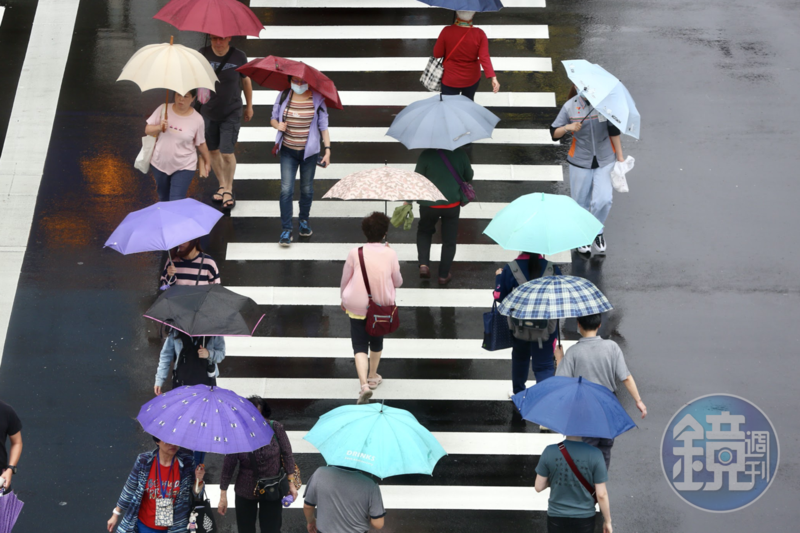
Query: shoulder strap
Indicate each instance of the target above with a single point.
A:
(200, 270)
(549, 270)
(517, 272)
(457, 44)
(574, 468)
(224, 61)
(450, 166)
(364, 270)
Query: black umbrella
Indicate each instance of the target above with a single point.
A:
(206, 310)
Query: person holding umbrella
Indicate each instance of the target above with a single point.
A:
(301, 118)
(190, 265)
(181, 134)
(159, 492)
(465, 50)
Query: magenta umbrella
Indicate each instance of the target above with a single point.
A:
(223, 18)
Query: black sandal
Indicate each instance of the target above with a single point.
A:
(225, 202)
(216, 193)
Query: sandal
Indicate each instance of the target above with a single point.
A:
(228, 204)
(374, 382)
(218, 194)
(364, 395)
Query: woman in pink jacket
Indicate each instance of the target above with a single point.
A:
(383, 271)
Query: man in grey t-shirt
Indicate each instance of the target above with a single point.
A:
(600, 361)
(347, 501)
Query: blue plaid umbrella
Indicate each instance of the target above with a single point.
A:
(553, 297)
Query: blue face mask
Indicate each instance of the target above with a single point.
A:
(299, 89)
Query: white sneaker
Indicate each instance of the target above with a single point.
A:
(584, 249)
(599, 245)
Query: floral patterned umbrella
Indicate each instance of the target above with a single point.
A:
(385, 183)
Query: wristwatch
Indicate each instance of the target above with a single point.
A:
(13, 469)
(327, 147)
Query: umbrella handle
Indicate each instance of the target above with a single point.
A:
(166, 111)
(174, 278)
(587, 114)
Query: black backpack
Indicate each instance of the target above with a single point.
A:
(530, 330)
(190, 369)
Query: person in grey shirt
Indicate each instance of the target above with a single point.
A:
(347, 501)
(600, 361)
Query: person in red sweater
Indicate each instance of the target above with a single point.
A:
(465, 50)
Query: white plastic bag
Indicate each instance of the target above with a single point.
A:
(621, 168)
(142, 162)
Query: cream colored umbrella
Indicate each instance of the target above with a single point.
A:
(169, 66)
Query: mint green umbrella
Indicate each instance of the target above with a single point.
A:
(543, 224)
(381, 440)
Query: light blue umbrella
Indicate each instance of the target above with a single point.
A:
(381, 440)
(544, 224)
(554, 297)
(443, 122)
(606, 93)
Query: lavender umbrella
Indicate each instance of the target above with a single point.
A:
(163, 226)
(206, 419)
(10, 507)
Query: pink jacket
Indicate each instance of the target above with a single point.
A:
(383, 270)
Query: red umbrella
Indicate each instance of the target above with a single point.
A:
(223, 18)
(273, 72)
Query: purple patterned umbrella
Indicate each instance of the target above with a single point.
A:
(10, 507)
(206, 419)
(163, 226)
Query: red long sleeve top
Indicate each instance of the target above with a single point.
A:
(462, 68)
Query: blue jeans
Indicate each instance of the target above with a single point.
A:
(141, 528)
(524, 353)
(591, 188)
(291, 160)
(172, 186)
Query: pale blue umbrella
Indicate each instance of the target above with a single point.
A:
(606, 93)
(442, 122)
(544, 224)
(381, 440)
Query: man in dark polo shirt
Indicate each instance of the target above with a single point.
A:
(10, 428)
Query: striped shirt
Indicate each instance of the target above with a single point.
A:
(187, 271)
(298, 122)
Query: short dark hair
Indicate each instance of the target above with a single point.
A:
(156, 439)
(375, 226)
(590, 322)
(262, 405)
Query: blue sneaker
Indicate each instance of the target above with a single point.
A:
(286, 237)
(305, 229)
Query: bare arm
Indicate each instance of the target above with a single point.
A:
(617, 144)
(311, 519)
(630, 384)
(377, 523)
(13, 458)
(605, 506)
(247, 86)
(153, 130)
(326, 141)
(541, 483)
(205, 160)
(563, 130)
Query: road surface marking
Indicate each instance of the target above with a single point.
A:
(372, 4)
(415, 64)
(404, 98)
(404, 32)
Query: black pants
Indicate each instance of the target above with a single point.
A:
(469, 92)
(561, 524)
(362, 341)
(604, 445)
(268, 514)
(428, 217)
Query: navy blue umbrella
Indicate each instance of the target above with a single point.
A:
(574, 407)
(480, 6)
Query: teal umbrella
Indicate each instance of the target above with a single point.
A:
(543, 224)
(381, 440)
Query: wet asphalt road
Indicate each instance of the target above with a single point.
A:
(701, 268)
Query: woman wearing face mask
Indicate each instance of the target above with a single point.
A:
(190, 266)
(180, 135)
(301, 118)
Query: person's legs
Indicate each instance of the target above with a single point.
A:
(602, 193)
(520, 363)
(228, 136)
(289, 166)
(449, 238)
(375, 351)
(162, 184)
(542, 359)
(469, 92)
(179, 184)
(563, 524)
(270, 516)
(308, 169)
(425, 230)
(580, 186)
(246, 513)
(360, 340)
(604, 445)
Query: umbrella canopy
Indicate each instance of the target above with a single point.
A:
(554, 297)
(163, 226)
(206, 419)
(606, 93)
(169, 66)
(206, 310)
(481, 6)
(385, 183)
(10, 507)
(273, 72)
(444, 122)
(223, 18)
(574, 407)
(381, 440)
(544, 224)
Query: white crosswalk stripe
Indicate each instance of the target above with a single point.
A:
(354, 209)
(404, 98)
(307, 33)
(415, 64)
(271, 171)
(389, 4)
(449, 297)
(327, 348)
(378, 135)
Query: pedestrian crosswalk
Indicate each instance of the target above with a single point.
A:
(404, 98)
(415, 64)
(356, 209)
(393, 32)
(384, 4)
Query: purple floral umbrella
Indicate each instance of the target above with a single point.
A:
(10, 507)
(206, 419)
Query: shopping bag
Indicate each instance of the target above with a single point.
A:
(496, 334)
(142, 162)
(621, 168)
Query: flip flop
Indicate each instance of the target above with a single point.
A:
(374, 382)
(214, 196)
(225, 204)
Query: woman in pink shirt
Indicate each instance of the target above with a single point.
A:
(175, 155)
(383, 271)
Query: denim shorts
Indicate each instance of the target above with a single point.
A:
(222, 135)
